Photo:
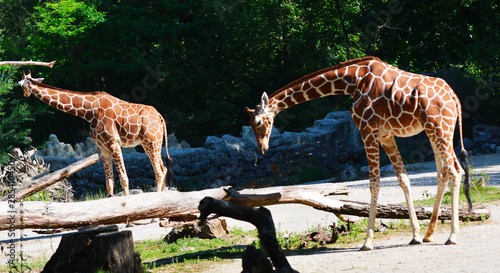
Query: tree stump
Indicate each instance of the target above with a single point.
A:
(96, 248)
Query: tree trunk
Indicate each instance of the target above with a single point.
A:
(49, 179)
(94, 249)
(261, 218)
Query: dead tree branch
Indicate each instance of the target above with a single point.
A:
(49, 64)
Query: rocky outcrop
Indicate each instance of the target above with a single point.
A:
(332, 147)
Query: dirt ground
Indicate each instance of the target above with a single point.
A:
(478, 249)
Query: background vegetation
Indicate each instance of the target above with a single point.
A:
(200, 62)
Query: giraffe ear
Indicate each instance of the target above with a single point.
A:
(37, 79)
(264, 101)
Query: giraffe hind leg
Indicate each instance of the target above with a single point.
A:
(154, 154)
(448, 170)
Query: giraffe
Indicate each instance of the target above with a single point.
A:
(387, 102)
(114, 123)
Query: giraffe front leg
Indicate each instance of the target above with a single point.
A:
(372, 153)
(391, 149)
(108, 170)
(120, 167)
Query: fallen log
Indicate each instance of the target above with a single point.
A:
(178, 204)
(125, 209)
(49, 64)
(344, 207)
(49, 179)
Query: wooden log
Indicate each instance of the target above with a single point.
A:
(306, 196)
(398, 211)
(261, 218)
(178, 204)
(130, 208)
(49, 64)
(49, 179)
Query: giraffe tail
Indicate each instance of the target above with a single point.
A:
(464, 158)
(169, 161)
(464, 161)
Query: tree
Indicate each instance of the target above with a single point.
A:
(14, 114)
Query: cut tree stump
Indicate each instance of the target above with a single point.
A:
(97, 248)
(261, 218)
(49, 179)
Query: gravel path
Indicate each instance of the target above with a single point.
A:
(477, 250)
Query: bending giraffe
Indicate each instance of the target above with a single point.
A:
(114, 123)
(387, 102)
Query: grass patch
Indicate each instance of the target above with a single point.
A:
(29, 264)
(189, 254)
(479, 194)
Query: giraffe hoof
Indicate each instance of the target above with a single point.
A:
(450, 242)
(111, 195)
(416, 242)
(428, 240)
(130, 225)
(366, 248)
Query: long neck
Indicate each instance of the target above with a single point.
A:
(338, 80)
(74, 103)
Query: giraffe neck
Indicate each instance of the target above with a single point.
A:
(337, 80)
(74, 103)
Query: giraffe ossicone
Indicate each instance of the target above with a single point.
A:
(114, 123)
(387, 102)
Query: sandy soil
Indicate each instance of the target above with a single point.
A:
(477, 250)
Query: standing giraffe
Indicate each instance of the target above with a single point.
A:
(387, 102)
(114, 123)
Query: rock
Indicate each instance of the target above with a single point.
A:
(247, 132)
(216, 228)
(132, 192)
(348, 173)
(218, 183)
(185, 145)
(172, 142)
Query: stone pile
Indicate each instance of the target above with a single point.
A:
(331, 147)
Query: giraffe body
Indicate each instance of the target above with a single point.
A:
(387, 102)
(114, 123)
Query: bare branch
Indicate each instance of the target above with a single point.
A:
(28, 63)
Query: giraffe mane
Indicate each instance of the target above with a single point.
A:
(319, 72)
(65, 90)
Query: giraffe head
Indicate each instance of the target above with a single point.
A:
(261, 121)
(25, 83)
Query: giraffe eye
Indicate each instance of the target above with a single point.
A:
(258, 122)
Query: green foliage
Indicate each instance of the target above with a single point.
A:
(13, 115)
(67, 19)
(200, 62)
